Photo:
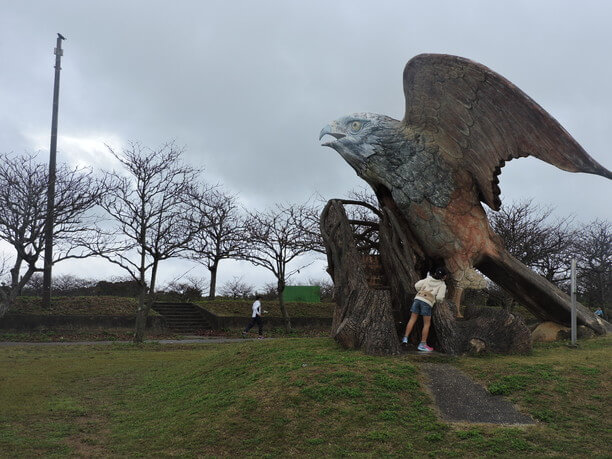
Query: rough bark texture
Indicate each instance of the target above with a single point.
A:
(281, 302)
(404, 265)
(213, 280)
(482, 330)
(363, 318)
(371, 316)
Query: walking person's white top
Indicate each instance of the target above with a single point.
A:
(256, 308)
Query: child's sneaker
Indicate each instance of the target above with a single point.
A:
(405, 340)
(260, 337)
(423, 347)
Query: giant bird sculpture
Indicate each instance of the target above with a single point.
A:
(462, 123)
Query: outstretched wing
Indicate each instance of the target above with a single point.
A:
(479, 120)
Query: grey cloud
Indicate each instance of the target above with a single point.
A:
(247, 86)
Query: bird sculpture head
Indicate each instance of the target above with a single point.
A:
(462, 123)
(360, 136)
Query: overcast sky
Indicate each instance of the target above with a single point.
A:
(246, 86)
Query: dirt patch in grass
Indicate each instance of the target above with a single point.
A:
(91, 435)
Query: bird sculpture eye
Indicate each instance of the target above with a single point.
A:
(355, 126)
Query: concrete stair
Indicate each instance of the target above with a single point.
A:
(182, 317)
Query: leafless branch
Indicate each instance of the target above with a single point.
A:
(23, 212)
(150, 206)
(223, 234)
(279, 235)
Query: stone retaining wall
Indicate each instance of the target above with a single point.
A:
(34, 321)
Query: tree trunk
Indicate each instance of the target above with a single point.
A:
(141, 315)
(145, 302)
(403, 263)
(213, 280)
(483, 330)
(9, 294)
(5, 305)
(281, 301)
(8, 300)
(363, 317)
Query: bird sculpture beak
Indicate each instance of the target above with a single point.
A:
(333, 130)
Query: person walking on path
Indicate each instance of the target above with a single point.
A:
(255, 318)
(429, 290)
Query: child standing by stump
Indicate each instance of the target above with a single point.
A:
(429, 290)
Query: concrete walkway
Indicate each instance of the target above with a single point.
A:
(460, 399)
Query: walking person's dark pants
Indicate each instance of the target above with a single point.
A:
(255, 320)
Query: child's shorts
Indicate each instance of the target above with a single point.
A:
(420, 307)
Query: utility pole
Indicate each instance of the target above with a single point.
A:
(49, 223)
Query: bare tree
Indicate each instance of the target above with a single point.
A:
(593, 249)
(69, 284)
(308, 224)
(363, 211)
(149, 204)
(5, 262)
(370, 212)
(326, 286)
(237, 288)
(268, 291)
(23, 212)
(223, 235)
(277, 237)
(34, 286)
(186, 291)
(535, 239)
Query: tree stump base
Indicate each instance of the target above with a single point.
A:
(370, 305)
(363, 322)
(363, 318)
(482, 330)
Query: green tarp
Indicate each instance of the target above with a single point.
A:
(302, 293)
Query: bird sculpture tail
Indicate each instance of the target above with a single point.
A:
(541, 297)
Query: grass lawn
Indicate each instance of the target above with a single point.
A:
(78, 305)
(566, 390)
(118, 306)
(44, 335)
(47, 335)
(242, 308)
(282, 397)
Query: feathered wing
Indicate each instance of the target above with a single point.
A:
(480, 120)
